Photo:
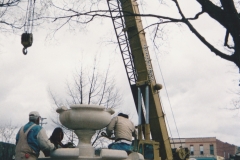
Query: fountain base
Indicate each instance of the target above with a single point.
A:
(106, 154)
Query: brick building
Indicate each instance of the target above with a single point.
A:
(206, 147)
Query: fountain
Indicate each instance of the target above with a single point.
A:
(85, 120)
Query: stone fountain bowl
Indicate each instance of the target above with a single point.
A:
(83, 116)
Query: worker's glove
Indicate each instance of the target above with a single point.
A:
(70, 145)
(104, 134)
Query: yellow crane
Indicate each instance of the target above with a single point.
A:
(153, 138)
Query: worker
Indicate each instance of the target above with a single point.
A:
(31, 138)
(57, 137)
(123, 130)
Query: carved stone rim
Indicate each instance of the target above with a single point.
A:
(82, 106)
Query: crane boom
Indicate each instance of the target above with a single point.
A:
(131, 29)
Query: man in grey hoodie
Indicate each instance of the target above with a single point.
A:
(124, 130)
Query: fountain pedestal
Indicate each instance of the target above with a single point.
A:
(85, 147)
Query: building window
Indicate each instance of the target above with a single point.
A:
(211, 149)
(191, 150)
(201, 149)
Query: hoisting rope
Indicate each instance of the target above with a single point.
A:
(27, 36)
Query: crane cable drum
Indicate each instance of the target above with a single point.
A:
(27, 36)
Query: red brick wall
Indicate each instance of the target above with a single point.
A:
(223, 147)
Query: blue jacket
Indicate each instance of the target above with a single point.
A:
(32, 136)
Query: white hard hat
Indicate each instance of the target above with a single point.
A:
(34, 115)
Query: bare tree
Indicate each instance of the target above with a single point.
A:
(89, 86)
(7, 133)
(14, 15)
(80, 13)
(225, 12)
(11, 15)
(7, 138)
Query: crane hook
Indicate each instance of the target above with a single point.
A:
(26, 40)
(24, 50)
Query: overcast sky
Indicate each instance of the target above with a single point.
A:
(200, 86)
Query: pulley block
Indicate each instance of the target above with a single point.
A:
(26, 40)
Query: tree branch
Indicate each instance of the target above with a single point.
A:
(196, 16)
(9, 3)
(200, 37)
